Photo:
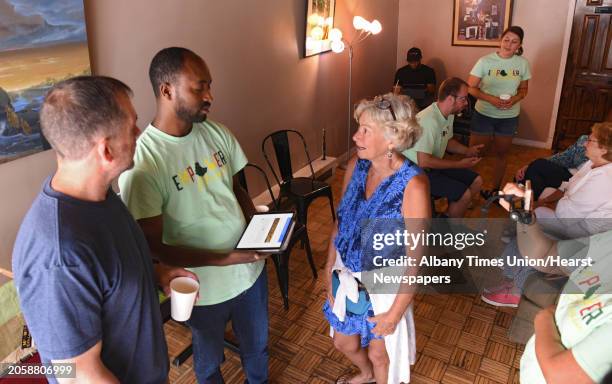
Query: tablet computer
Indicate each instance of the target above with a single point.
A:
(267, 232)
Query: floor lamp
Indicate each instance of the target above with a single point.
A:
(338, 45)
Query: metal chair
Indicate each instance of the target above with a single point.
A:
(461, 124)
(300, 190)
(281, 260)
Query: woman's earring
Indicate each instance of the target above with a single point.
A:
(389, 154)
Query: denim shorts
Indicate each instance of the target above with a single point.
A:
(491, 126)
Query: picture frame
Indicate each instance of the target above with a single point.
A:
(319, 22)
(53, 48)
(480, 23)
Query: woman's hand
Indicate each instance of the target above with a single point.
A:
(499, 103)
(385, 323)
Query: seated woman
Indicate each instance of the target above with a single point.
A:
(584, 209)
(379, 183)
(587, 194)
(570, 344)
(554, 170)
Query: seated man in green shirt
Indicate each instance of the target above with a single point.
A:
(448, 178)
(184, 193)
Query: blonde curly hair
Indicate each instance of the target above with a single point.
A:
(404, 131)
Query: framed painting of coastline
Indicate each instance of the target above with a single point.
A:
(319, 22)
(480, 23)
(42, 42)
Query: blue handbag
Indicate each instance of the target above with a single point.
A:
(362, 304)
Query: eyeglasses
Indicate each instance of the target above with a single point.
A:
(462, 98)
(382, 103)
(592, 140)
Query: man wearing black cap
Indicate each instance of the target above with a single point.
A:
(415, 79)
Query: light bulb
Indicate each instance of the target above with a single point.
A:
(335, 34)
(337, 46)
(310, 43)
(375, 27)
(313, 19)
(316, 33)
(329, 21)
(359, 23)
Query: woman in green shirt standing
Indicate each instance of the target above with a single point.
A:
(499, 81)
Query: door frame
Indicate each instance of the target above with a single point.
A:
(569, 23)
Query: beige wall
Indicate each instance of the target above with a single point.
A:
(253, 49)
(428, 24)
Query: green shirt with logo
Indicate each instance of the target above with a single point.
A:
(188, 180)
(437, 131)
(499, 76)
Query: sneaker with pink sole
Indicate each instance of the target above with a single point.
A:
(502, 298)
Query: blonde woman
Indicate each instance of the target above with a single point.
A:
(379, 183)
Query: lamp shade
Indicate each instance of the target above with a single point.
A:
(360, 23)
(337, 46)
(317, 33)
(335, 34)
(375, 27)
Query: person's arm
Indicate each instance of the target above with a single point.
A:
(427, 160)
(416, 209)
(454, 146)
(88, 368)
(164, 274)
(521, 92)
(331, 249)
(474, 90)
(431, 82)
(431, 89)
(181, 256)
(557, 363)
(245, 201)
(550, 199)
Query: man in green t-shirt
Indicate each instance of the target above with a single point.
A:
(184, 193)
(447, 178)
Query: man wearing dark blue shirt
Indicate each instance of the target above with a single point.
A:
(83, 271)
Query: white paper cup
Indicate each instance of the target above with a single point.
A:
(505, 96)
(183, 291)
(262, 208)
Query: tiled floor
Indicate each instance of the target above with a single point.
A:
(460, 339)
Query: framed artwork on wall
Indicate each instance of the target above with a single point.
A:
(319, 22)
(42, 42)
(480, 23)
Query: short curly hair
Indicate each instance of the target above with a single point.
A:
(403, 132)
(167, 64)
(603, 134)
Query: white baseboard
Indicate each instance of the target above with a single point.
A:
(531, 143)
(319, 165)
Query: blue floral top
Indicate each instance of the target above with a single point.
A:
(355, 210)
(574, 156)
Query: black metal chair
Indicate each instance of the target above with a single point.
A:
(300, 190)
(281, 260)
(461, 124)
